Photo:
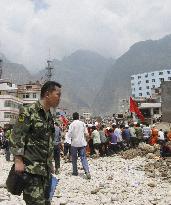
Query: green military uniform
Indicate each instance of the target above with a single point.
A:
(32, 138)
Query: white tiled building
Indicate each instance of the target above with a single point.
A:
(141, 84)
(9, 102)
(12, 97)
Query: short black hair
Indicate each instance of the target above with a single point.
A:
(94, 127)
(49, 86)
(75, 116)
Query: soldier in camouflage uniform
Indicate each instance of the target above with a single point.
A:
(32, 144)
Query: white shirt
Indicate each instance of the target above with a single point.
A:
(161, 135)
(118, 133)
(76, 132)
(67, 138)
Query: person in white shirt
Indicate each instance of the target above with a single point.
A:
(78, 132)
(161, 136)
(118, 134)
(67, 146)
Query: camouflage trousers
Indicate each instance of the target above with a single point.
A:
(37, 190)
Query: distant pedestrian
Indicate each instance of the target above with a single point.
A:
(67, 147)
(113, 146)
(133, 138)
(118, 133)
(126, 135)
(146, 133)
(57, 147)
(95, 135)
(139, 133)
(161, 137)
(78, 133)
(169, 135)
(154, 135)
(103, 139)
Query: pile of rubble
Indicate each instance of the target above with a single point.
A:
(159, 168)
(142, 150)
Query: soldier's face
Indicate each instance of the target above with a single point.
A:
(54, 97)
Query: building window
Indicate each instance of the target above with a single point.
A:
(134, 89)
(152, 74)
(160, 73)
(9, 84)
(26, 95)
(157, 91)
(139, 82)
(146, 75)
(147, 93)
(132, 78)
(153, 86)
(28, 87)
(153, 80)
(139, 77)
(34, 95)
(7, 115)
(140, 88)
(169, 78)
(168, 72)
(147, 81)
(7, 103)
(147, 87)
(156, 110)
(132, 84)
(161, 79)
(140, 94)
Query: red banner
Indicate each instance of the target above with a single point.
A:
(134, 108)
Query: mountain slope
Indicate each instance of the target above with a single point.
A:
(142, 57)
(14, 71)
(81, 75)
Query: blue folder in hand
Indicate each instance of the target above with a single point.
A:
(54, 183)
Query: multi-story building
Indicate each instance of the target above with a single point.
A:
(9, 102)
(141, 84)
(29, 92)
(12, 97)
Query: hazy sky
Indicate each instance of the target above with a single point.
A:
(30, 28)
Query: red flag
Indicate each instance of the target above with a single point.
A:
(134, 108)
(64, 120)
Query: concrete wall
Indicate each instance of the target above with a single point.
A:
(166, 101)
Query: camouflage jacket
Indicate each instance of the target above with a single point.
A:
(32, 138)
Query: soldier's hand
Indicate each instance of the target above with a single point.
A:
(19, 165)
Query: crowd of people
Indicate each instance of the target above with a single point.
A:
(37, 140)
(106, 140)
(99, 140)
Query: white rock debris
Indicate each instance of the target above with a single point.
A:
(115, 181)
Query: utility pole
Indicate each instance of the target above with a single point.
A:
(49, 70)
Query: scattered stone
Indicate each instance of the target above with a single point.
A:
(150, 156)
(114, 198)
(115, 181)
(95, 191)
(110, 178)
(151, 184)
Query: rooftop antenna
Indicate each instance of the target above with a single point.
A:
(49, 69)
